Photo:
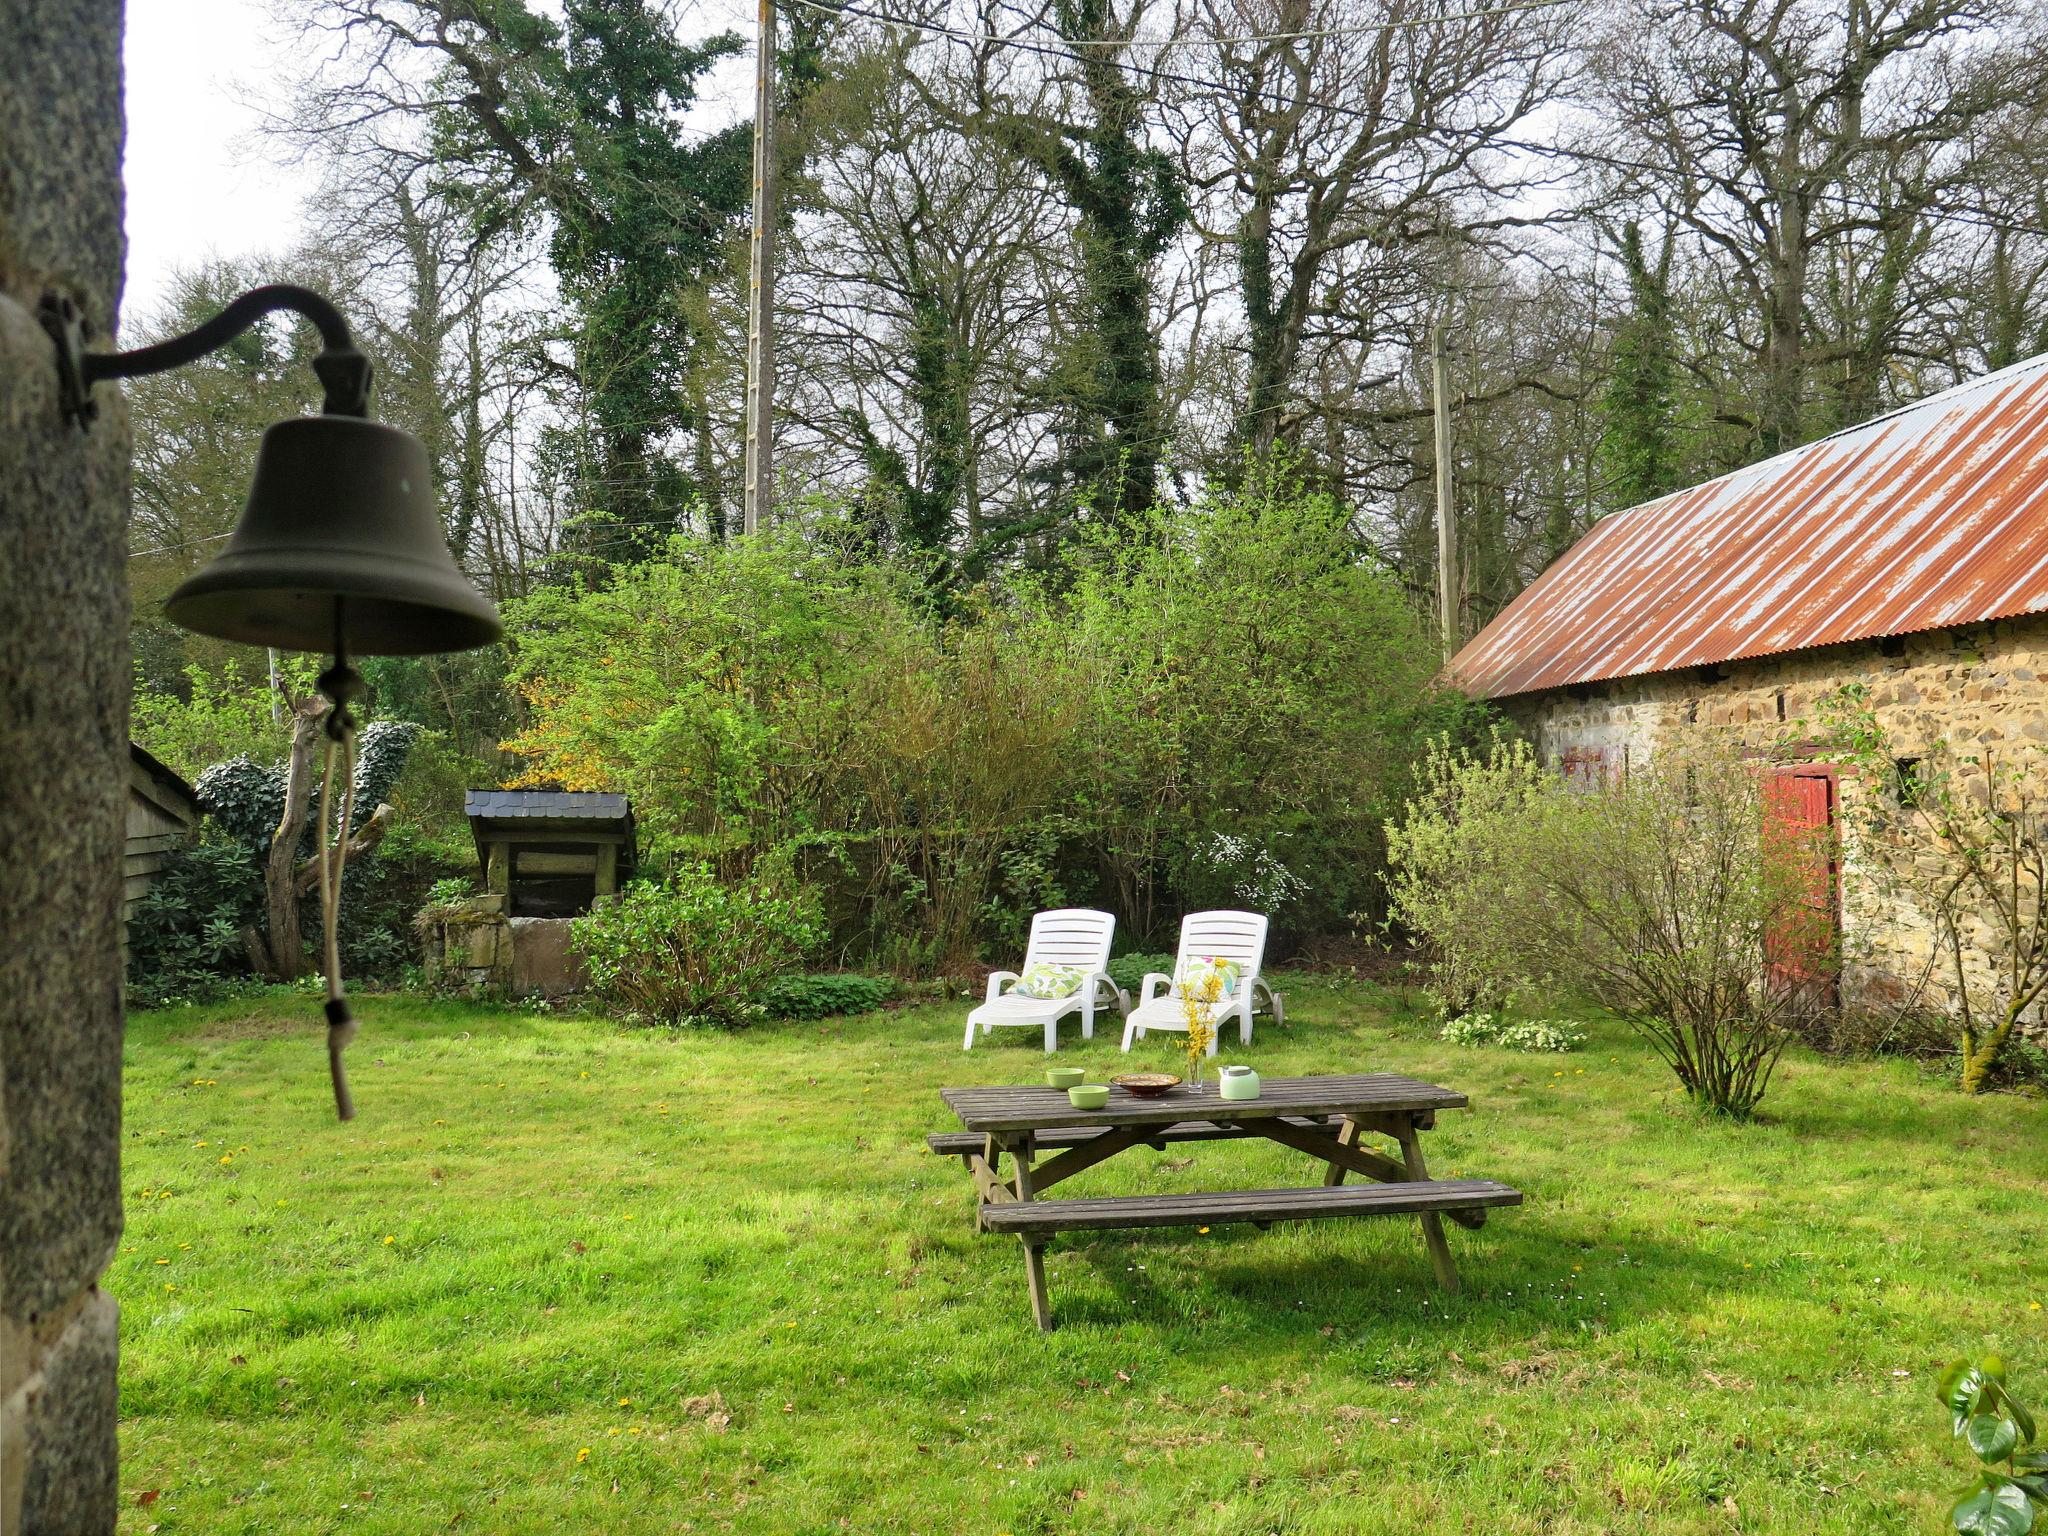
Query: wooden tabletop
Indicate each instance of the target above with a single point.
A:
(1032, 1108)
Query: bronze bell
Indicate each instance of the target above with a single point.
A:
(340, 545)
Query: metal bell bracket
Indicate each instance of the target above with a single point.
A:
(343, 371)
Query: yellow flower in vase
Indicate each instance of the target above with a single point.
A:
(1198, 1010)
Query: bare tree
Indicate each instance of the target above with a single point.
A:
(1329, 140)
(1806, 151)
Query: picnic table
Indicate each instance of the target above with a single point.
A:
(1047, 1141)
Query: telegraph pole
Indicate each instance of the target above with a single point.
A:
(760, 469)
(1446, 528)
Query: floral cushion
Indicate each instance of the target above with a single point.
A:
(1048, 981)
(1195, 974)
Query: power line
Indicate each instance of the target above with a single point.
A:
(1366, 29)
(169, 549)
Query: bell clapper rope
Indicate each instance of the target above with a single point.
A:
(343, 686)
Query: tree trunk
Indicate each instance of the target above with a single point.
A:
(1785, 334)
(280, 885)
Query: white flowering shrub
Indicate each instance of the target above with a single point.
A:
(1528, 1035)
(1256, 876)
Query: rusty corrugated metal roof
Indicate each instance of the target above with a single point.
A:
(1932, 516)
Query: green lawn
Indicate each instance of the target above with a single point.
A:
(560, 1277)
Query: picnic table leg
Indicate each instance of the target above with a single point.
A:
(1020, 1163)
(1034, 1276)
(987, 1171)
(1432, 1225)
(1347, 1136)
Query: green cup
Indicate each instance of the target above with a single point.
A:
(1088, 1095)
(1064, 1077)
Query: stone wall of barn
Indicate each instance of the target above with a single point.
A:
(1981, 689)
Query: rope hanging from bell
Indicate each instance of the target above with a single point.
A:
(343, 687)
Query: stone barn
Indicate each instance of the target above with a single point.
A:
(1909, 554)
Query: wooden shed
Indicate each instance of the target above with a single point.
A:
(551, 852)
(161, 810)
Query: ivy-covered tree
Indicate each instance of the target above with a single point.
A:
(1636, 445)
(1129, 200)
(574, 122)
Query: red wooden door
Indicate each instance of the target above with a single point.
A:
(1800, 830)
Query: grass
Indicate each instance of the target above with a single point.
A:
(564, 1277)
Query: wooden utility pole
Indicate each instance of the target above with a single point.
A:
(760, 468)
(1446, 526)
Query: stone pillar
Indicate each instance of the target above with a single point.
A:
(63, 747)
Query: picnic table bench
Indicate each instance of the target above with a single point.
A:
(1324, 1117)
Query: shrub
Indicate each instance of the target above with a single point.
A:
(448, 890)
(1129, 971)
(1526, 1035)
(825, 995)
(218, 715)
(1218, 705)
(244, 801)
(185, 934)
(1451, 860)
(1659, 897)
(695, 949)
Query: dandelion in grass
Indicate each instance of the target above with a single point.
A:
(583, 1455)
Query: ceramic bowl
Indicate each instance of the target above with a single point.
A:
(1064, 1077)
(1146, 1085)
(1088, 1095)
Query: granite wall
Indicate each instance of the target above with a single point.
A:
(63, 757)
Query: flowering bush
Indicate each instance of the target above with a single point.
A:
(1255, 876)
(695, 949)
(1529, 1035)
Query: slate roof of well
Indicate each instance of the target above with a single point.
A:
(1932, 516)
(545, 805)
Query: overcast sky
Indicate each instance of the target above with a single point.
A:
(200, 183)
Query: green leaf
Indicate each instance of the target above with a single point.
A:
(1962, 1387)
(2032, 1461)
(2021, 1417)
(1990, 1437)
(1998, 1511)
(1951, 1380)
(1993, 1368)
